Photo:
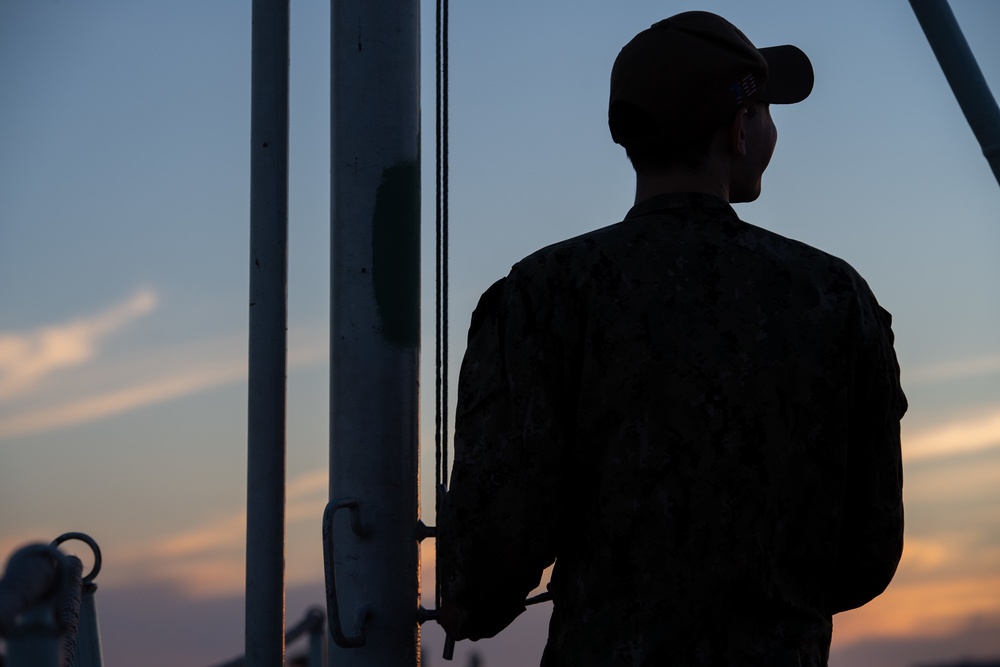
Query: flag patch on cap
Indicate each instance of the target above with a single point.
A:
(744, 88)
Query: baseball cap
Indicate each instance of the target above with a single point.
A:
(687, 75)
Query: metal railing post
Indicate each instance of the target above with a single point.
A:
(317, 645)
(265, 560)
(37, 643)
(47, 611)
(29, 594)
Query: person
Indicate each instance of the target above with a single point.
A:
(696, 419)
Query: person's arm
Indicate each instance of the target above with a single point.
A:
(871, 540)
(499, 523)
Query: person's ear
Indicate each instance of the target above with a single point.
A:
(737, 134)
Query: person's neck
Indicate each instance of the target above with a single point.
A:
(677, 181)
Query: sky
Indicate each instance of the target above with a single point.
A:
(124, 245)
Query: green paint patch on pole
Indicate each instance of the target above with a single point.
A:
(396, 253)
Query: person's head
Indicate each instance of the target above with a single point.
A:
(690, 84)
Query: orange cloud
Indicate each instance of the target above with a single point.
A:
(941, 583)
(968, 435)
(209, 559)
(922, 608)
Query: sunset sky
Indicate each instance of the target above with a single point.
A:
(124, 244)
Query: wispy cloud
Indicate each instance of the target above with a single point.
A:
(931, 607)
(964, 436)
(121, 400)
(942, 581)
(952, 370)
(113, 384)
(208, 560)
(26, 359)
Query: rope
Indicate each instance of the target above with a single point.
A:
(69, 609)
(444, 247)
(441, 266)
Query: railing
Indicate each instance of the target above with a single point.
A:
(313, 625)
(47, 610)
(48, 616)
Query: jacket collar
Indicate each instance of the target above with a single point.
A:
(674, 201)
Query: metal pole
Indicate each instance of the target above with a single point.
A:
(375, 330)
(265, 562)
(37, 643)
(963, 74)
(317, 645)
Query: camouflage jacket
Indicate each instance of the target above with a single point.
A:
(698, 421)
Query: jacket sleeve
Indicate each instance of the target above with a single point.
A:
(497, 532)
(871, 539)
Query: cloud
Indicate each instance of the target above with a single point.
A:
(923, 556)
(164, 374)
(27, 359)
(930, 607)
(121, 400)
(965, 436)
(209, 560)
(974, 637)
(943, 580)
(952, 370)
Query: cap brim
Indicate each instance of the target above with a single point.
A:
(789, 75)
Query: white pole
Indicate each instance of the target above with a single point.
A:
(265, 561)
(374, 332)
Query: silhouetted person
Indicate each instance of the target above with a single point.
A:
(695, 418)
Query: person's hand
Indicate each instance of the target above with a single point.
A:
(487, 622)
(451, 618)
